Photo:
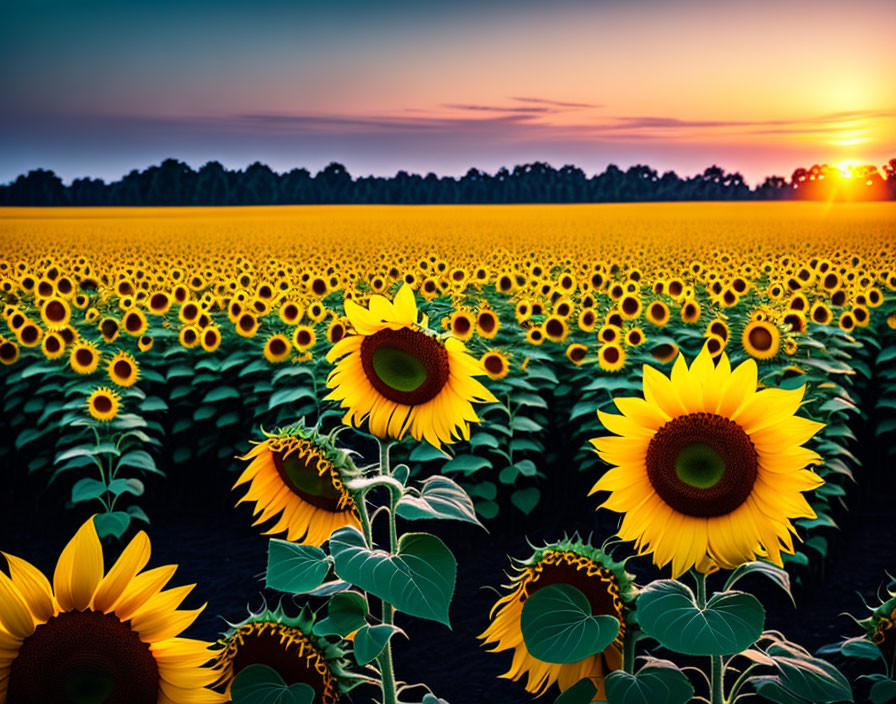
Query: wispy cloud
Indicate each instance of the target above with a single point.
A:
(556, 103)
(498, 108)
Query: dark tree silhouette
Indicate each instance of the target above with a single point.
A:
(174, 182)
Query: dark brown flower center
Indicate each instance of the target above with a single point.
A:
(301, 473)
(103, 404)
(404, 365)
(123, 369)
(702, 464)
(760, 339)
(493, 364)
(55, 311)
(84, 357)
(288, 656)
(83, 658)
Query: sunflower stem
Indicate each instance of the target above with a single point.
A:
(629, 640)
(387, 672)
(700, 581)
(717, 696)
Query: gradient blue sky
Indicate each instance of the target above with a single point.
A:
(99, 88)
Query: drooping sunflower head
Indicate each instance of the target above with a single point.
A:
(880, 626)
(300, 475)
(707, 470)
(103, 404)
(287, 645)
(400, 377)
(603, 581)
(97, 636)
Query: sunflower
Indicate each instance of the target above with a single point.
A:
(555, 328)
(210, 339)
(188, 336)
(535, 336)
(287, 645)
(160, 302)
(291, 312)
(690, 311)
(634, 337)
(401, 377)
(277, 348)
(29, 334)
(611, 357)
(299, 473)
(96, 636)
(134, 322)
(487, 323)
(53, 345)
(664, 352)
(9, 352)
(247, 324)
(461, 324)
(84, 357)
(304, 337)
(761, 339)
(103, 403)
(123, 369)
(603, 581)
(495, 364)
(576, 353)
(55, 313)
(708, 471)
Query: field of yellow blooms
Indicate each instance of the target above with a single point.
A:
(742, 344)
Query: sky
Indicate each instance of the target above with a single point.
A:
(761, 86)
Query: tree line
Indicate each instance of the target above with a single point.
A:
(174, 182)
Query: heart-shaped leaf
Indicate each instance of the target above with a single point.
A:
(369, 641)
(346, 612)
(773, 572)
(419, 580)
(440, 497)
(657, 681)
(294, 568)
(260, 684)
(730, 622)
(558, 627)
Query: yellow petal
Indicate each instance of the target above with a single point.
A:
(132, 559)
(14, 614)
(79, 569)
(33, 586)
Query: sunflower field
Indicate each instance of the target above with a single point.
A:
(668, 416)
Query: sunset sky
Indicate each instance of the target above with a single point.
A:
(99, 88)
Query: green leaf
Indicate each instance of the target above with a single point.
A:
(483, 440)
(221, 393)
(153, 403)
(140, 459)
(114, 523)
(776, 574)
(525, 425)
(770, 688)
(883, 691)
(294, 568)
(557, 625)
(487, 509)
(582, 692)
(138, 513)
(466, 463)
(731, 621)
(290, 395)
(87, 489)
(440, 497)
(260, 684)
(526, 499)
(657, 681)
(419, 580)
(369, 642)
(425, 452)
(346, 612)
(809, 677)
(861, 647)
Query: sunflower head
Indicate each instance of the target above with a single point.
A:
(97, 636)
(707, 470)
(103, 404)
(287, 645)
(123, 369)
(604, 582)
(880, 626)
(400, 377)
(313, 472)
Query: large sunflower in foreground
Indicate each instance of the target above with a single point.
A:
(708, 470)
(298, 473)
(603, 581)
(287, 645)
(96, 636)
(400, 377)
